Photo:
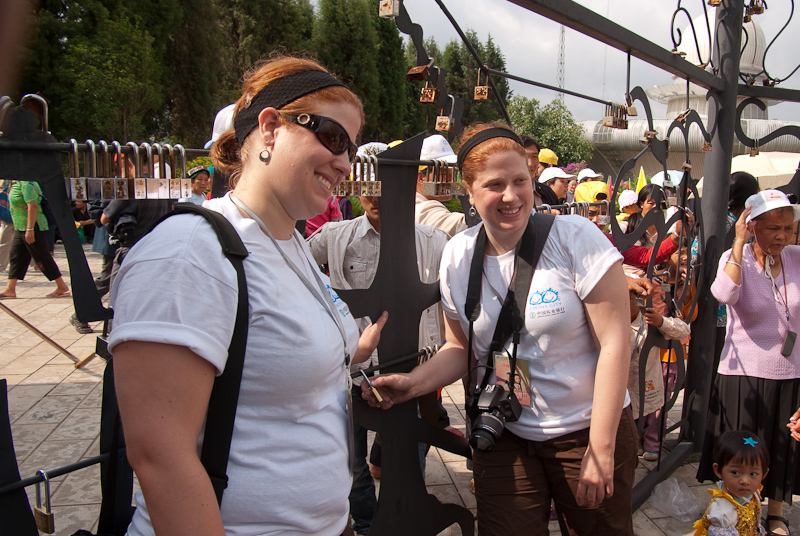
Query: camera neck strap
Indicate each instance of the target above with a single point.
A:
(511, 320)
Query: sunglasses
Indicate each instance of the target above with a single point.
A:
(330, 133)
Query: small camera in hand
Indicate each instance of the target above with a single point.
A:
(493, 408)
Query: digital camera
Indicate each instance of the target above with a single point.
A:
(490, 410)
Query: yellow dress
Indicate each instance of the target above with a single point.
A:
(748, 514)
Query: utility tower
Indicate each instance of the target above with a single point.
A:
(560, 70)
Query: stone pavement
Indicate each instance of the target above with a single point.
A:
(55, 416)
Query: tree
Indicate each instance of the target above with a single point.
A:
(347, 44)
(391, 64)
(553, 126)
(115, 82)
(419, 116)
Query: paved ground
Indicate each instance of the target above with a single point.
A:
(55, 416)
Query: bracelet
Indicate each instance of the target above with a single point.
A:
(30, 229)
(734, 262)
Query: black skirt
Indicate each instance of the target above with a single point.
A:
(762, 407)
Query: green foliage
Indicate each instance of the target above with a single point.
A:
(454, 205)
(553, 126)
(161, 69)
(115, 82)
(199, 161)
(347, 42)
(392, 83)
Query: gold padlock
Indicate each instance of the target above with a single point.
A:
(482, 92)
(714, 3)
(754, 151)
(443, 123)
(45, 521)
(429, 94)
(389, 9)
(706, 146)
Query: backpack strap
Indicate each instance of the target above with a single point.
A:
(225, 393)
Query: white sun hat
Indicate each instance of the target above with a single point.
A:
(553, 173)
(223, 122)
(767, 200)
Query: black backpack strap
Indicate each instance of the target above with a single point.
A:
(225, 393)
(511, 319)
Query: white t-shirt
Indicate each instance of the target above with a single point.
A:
(557, 341)
(291, 418)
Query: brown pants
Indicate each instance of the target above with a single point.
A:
(515, 482)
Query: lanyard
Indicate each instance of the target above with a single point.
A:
(776, 292)
(323, 297)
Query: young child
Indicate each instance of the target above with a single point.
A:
(670, 328)
(741, 461)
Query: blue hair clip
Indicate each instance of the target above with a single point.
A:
(750, 441)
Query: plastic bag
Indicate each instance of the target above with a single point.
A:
(676, 500)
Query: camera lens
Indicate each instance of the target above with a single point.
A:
(485, 431)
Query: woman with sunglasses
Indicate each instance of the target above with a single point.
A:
(290, 147)
(573, 442)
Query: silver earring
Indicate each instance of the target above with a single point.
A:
(265, 155)
(472, 211)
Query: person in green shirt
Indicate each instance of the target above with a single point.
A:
(30, 240)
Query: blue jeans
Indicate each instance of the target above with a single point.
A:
(362, 494)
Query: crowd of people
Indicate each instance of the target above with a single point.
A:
(514, 289)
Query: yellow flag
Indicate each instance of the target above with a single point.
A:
(642, 181)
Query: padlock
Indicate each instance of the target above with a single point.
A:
(632, 111)
(429, 94)
(754, 151)
(417, 73)
(747, 18)
(714, 3)
(45, 521)
(482, 92)
(755, 8)
(686, 166)
(608, 118)
(706, 146)
(389, 9)
(443, 123)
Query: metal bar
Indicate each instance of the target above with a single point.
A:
(44, 337)
(670, 462)
(66, 147)
(587, 22)
(88, 462)
(700, 373)
(477, 58)
(393, 362)
(773, 93)
(546, 86)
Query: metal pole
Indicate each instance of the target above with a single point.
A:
(700, 371)
(44, 337)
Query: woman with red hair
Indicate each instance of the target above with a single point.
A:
(291, 146)
(572, 439)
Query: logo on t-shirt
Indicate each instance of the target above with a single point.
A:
(341, 306)
(545, 303)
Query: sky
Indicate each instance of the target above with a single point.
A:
(530, 43)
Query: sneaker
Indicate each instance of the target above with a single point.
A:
(650, 456)
(80, 327)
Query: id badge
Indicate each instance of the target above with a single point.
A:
(788, 343)
(522, 379)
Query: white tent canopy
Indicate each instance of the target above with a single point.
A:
(772, 169)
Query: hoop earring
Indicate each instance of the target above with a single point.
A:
(472, 211)
(265, 157)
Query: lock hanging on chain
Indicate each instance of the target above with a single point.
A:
(616, 116)
(482, 92)
(389, 9)
(444, 122)
(45, 521)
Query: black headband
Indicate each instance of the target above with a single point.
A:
(482, 136)
(278, 94)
